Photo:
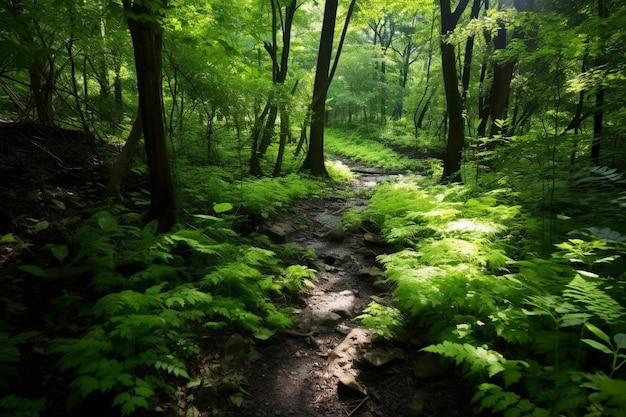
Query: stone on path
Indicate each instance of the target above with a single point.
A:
(279, 231)
(377, 357)
(349, 385)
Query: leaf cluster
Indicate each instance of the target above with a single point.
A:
(540, 336)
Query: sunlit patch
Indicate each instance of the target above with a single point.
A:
(473, 226)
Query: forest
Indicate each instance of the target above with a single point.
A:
(185, 186)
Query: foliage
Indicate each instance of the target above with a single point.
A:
(385, 320)
(515, 322)
(158, 298)
(361, 147)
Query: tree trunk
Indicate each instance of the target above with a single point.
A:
(501, 87)
(147, 37)
(598, 112)
(284, 135)
(314, 161)
(456, 130)
(41, 87)
(122, 165)
(469, 51)
(503, 75)
(255, 167)
(268, 130)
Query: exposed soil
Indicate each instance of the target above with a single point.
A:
(305, 371)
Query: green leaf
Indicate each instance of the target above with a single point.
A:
(207, 217)
(595, 330)
(128, 407)
(33, 270)
(106, 221)
(597, 345)
(263, 333)
(60, 251)
(122, 398)
(222, 207)
(126, 379)
(86, 384)
(41, 225)
(237, 398)
(620, 340)
(540, 412)
(8, 238)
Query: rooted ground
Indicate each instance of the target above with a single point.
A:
(329, 365)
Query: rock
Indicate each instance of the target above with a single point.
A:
(344, 313)
(331, 319)
(348, 352)
(377, 357)
(357, 338)
(348, 385)
(372, 272)
(369, 237)
(417, 405)
(279, 231)
(381, 286)
(428, 367)
(336, 234)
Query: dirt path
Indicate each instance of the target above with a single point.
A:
(323, 367)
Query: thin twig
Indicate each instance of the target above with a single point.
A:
(358, 406)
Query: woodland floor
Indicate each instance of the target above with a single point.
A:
(330, 365)
(327, 365)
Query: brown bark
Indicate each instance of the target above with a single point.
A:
(456, 131)
(147, 37)
(122, 165)
(314, 161)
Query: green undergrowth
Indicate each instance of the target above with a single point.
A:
(539, 333)
(203, 187)
(121, 313)
(358, 146)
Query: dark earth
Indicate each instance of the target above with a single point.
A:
(327, 364)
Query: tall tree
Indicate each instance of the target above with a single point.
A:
(37, 43)
(598, 114)
(280, 62)
(456, 130)
(314, 161)
(144, 22)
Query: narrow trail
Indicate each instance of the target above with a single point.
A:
(328, 364)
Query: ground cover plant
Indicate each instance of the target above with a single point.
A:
(144, 144)
(126, 312)
(374, 150)
(539, 331)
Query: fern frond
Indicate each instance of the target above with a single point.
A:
(475, 359)
(594, 299)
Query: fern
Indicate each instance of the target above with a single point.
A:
(475, 360)
(493, 397)
(386, 321)
(599, 176)
(596, 302)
